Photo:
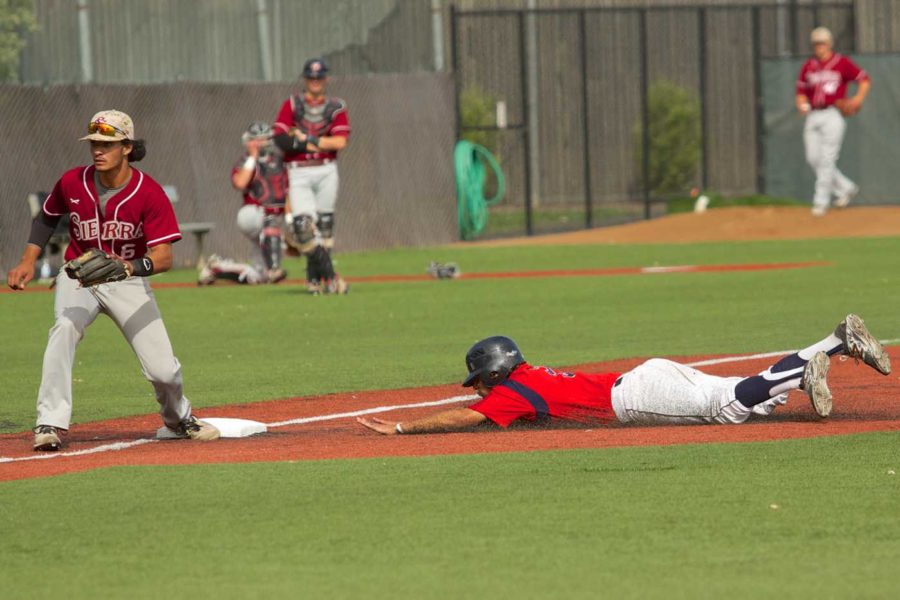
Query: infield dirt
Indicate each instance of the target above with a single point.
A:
(729, 224)
(864, 401)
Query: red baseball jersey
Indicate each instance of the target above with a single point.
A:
(326, 117)
(138, 217)
(533, 392)
(825, 82)
(269, 185)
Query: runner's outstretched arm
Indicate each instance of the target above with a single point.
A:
(449, 420)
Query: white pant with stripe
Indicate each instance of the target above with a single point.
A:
(665, 392)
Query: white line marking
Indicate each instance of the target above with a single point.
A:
(369, 411)
(728, 359)
(672, 269)
(378, 409)
(96, 449)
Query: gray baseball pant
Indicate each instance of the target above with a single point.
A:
(132, 306)
(823, 134)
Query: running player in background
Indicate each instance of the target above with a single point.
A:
(657, 392)
(123, 211)
(311, 128)
(820, 97)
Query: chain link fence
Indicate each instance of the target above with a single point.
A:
(572, 86)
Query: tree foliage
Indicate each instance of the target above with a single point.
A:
(16, 19)
(675, 145)
(477, 109)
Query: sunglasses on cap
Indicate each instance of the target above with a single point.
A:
(105, 129)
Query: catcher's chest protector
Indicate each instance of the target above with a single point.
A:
(315, 119)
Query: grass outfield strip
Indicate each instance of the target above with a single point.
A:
(672, 522)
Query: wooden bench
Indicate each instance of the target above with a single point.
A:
(199, 229)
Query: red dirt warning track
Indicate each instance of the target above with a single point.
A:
(864, 401)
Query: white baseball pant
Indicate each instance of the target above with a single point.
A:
(313, 189)
(131, 305)
(665, 392)
(823, 134)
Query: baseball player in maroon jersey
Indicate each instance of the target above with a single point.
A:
(262, 178)
(820, 97)
(311, 128)
(124, 212)
(657, 392)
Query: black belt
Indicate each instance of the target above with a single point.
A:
(618, 381)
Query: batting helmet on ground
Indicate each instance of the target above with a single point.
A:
(492, 360)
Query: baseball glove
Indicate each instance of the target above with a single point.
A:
(95, 267)
(846, 107)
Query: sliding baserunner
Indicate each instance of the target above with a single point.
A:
(657, 392)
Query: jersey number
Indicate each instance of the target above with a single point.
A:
(127, 251)
(560, 374)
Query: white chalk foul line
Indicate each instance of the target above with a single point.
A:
(378, 409)
(95, 450)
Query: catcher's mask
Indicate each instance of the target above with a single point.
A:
(492, 360)
(258, 130)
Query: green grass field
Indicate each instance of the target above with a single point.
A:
(672, 522)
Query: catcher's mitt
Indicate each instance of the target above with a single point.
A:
(846, 107)
(96, 266)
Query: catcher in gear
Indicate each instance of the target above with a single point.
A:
(658, 391)
(121, 231)
(303, 237)
(261, 177)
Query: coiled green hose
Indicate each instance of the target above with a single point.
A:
(471, 205)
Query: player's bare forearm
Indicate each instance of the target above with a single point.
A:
(242, 179)
(332, 142)
(863, 91)
(455, 419)
(161, 255)
(802, 103)
(19, 276)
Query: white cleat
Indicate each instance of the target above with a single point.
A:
(815, 383)
(845, 200)
(861, 345)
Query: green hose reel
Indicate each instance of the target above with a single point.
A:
(472, 207)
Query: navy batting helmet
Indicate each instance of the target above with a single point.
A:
(315, 68)
(492, 360)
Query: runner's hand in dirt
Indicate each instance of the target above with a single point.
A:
(379, 425)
